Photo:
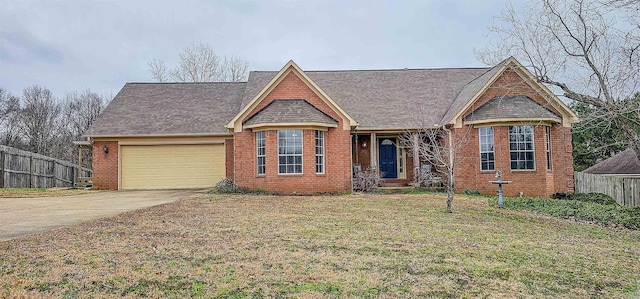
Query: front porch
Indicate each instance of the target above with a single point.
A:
(396, 164)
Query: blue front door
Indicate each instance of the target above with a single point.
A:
(388, 160)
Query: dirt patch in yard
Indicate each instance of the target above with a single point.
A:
(324, 246)
(41, 192)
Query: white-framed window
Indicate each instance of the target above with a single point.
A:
(290, 151)
(320, 152)
(521, 148)
(547, 136)
(487, 153)
(260, 153)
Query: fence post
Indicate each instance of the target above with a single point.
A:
(74, 177)
(2, 184)
(55, 174)
(31, 172)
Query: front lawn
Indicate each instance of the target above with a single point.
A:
(325, 246)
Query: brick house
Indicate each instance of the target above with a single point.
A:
(301, 132)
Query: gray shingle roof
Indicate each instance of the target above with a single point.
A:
(625, 162)
(385, 99)
(170, 109)
(290, 111)
(376, 99)
(516, 107)
(469, 90)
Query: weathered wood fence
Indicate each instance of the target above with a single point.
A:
(624, 190)
(23, 169)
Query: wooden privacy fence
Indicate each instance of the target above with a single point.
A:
(626, 191)
(22, 169)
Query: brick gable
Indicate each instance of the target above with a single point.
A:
(337, 176)
(538, 182)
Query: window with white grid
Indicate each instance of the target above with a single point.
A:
(487, 154)
(260, 153)
(290, 151)
(521, 147)
(319, 151)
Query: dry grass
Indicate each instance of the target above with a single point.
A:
(41, 192)
(348, 246)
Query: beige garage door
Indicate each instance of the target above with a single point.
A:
(171, 166)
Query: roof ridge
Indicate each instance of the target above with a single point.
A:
(184, 83)
(383, 70)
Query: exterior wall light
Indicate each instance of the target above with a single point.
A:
(105, 149)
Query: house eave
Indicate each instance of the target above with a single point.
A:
(512, 121)
(159, 135)
(291, 125)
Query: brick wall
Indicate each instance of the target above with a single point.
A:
(229, 159)
(538, 182)
(105, 166)
(337, 177)
(362, 155)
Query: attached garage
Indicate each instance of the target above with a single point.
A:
(171, 166)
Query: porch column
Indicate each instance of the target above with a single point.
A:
(373, 152)
(416, 157)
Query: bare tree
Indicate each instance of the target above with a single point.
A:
(9, 113)
(235, 69)
(158, 70)
(79, 110)
(587, 50)
(441, 147)
(200, 63)
(40, 120)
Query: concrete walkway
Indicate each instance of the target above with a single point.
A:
(23, 216)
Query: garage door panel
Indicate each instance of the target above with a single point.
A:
(171, 166)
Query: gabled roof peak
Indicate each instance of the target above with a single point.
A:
(290, 68)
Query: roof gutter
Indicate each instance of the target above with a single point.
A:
(159, 135)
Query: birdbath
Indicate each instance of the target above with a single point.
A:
(499, 182)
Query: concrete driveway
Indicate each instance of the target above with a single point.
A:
(23, 216)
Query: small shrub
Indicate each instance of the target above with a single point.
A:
(472, 192)
(366, 180)
(559, 195)
(226, 185)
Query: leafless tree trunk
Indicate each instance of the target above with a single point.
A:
(441, 148)
(589, 51)
(200, 63)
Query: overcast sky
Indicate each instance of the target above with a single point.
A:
(77, 44)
